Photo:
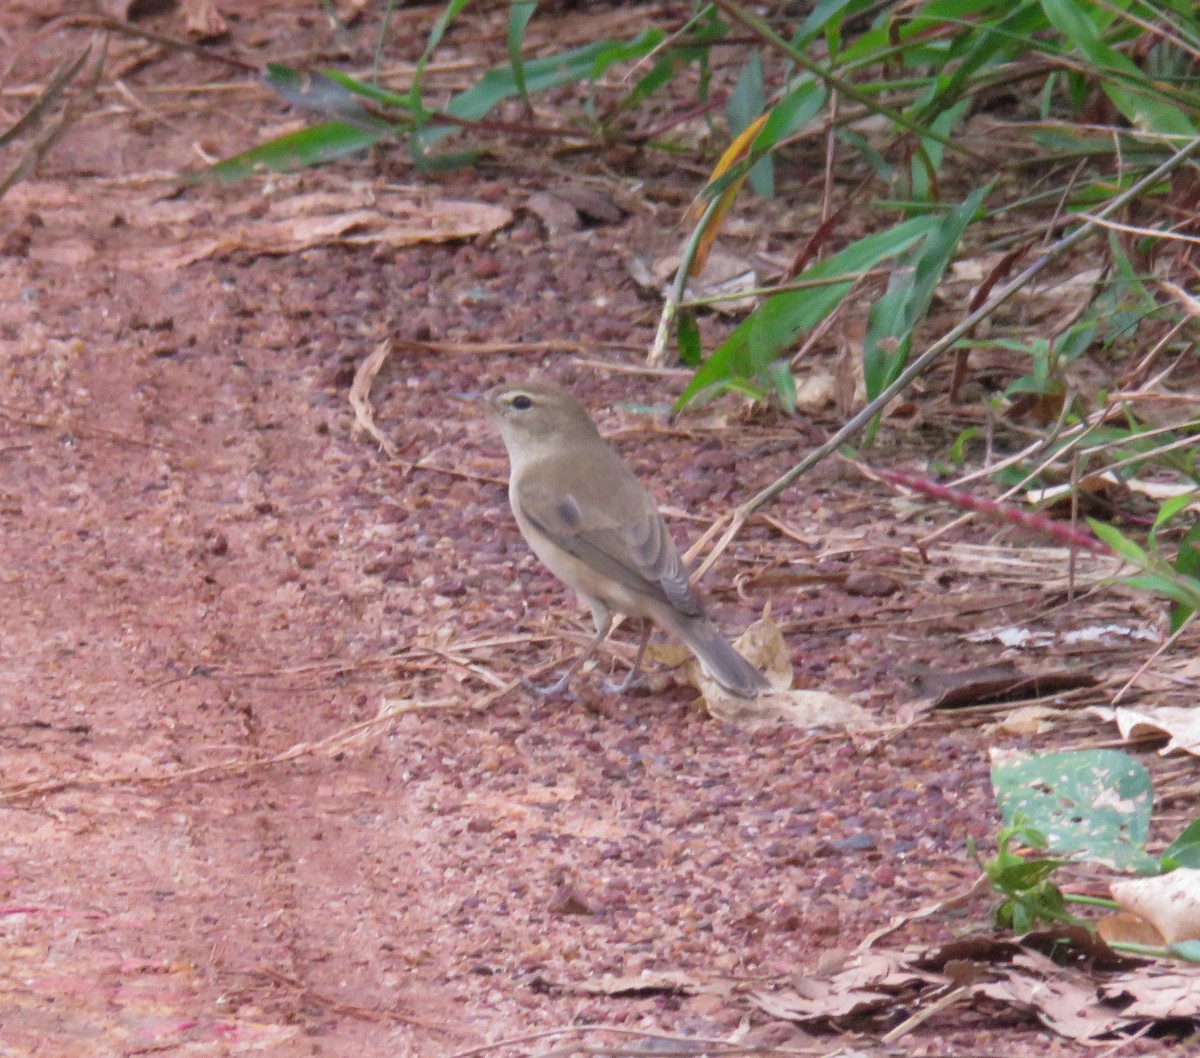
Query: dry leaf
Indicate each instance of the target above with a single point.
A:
(763, 646)
(990, 683)
(1180, 723)
(1028, 720)
(349, 11)
(1078, 1005)
(1123, 927)
(724, 274)
(191, 229)
(556, 214)
(815, 391)
(594, 205)
(203, 20)
(1170, 902)
(651, 982)
(1155, 994)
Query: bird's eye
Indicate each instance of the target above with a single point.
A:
(521, 402)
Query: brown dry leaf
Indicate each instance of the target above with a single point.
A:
(556, 214)
(1061, 999)
(322, 218)
(1188, 302)
(203, 20)
(1125, 928)
(595, 205)
(349, 11)
(190, 229)
(1075, 1004)
(360, 399)
(1155, 993)
(724, 274)
(648, 983)
(763, 646)
(1170, 902)
(796, 707)
(869, 981)
(815, 391)
(1180, 723)
(989, 683)
(1028, 720)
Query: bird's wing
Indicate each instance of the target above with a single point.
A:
(634, 548)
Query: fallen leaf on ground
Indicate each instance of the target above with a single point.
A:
(815, 391)
(762, 644)
(1170, 902)
(189, 229)
(1028, 720)
(650, 982)
(556, 214)
(991, 683)
(203, 20)
(1181, 724)
(1076, 1004)
(1124, 927)
(724, 274)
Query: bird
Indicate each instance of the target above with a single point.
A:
(586, 515)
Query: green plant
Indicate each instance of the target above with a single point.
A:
(1103, 93)
(1089, 807)
(1178, 581)
(934, 64)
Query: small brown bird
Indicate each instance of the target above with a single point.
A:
(590, 520)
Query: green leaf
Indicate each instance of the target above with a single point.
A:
(783, 382)
(1122, 546)
(329, 96)
(781, 317)
(1187, 561)
(958, 450)
(746, 102)
(518, 18)
(687, 336)
(549, 71)
(296, 150)
(364, 89)
(449, 12)
(1187, 569)
(894, 316)
(1171, 507)
(1092, 805)
(1184, 851)
(1183, 591)
(1026, 874)
(1123, 82)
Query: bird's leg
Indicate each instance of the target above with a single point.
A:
(603, 622)
(635, 672)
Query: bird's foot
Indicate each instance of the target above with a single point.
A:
(553, 690)
(634, 679)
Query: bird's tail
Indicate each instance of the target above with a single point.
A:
(718, 658)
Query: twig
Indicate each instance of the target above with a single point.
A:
(925, 1013)
(1153, 658)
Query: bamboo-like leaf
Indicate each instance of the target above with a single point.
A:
(775, 324)
(894, 316)
(296, 150)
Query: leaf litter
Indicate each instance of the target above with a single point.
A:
(875, 988)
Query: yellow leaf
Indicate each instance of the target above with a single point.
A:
(734, 153)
